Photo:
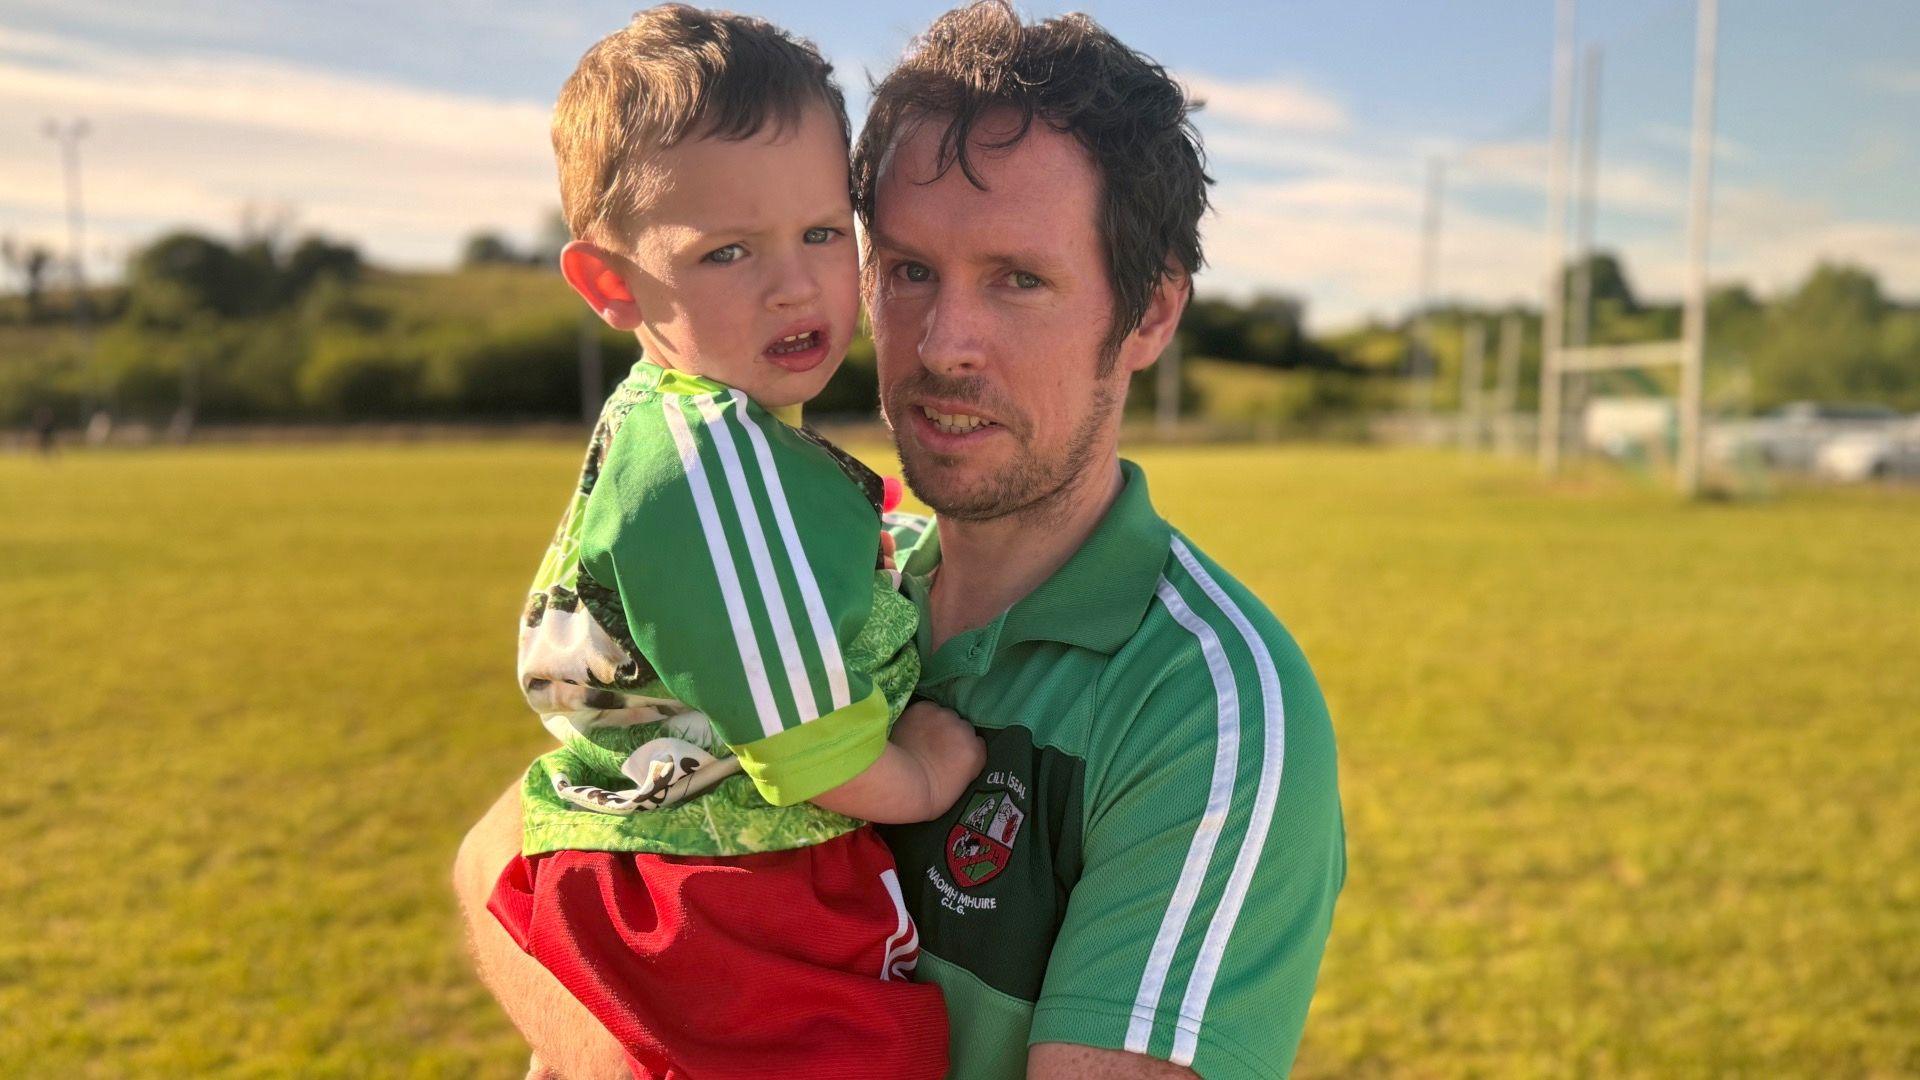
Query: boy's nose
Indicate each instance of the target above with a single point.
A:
(795, 286)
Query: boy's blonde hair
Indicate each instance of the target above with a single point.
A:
(675, 72)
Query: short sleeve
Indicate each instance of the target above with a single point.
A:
(1213, 854)
(743, 557)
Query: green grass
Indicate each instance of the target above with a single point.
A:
(1629, 784)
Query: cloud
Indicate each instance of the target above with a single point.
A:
(1892, 79)
(1520, 166)
(1679, 137)
(1271, 104)
(187, 138)
(244, 92)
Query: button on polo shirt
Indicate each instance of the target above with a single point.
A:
(1150, 858)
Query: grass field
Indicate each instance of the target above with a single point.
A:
(1630, 785)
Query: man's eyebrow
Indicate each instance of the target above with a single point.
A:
(1020, 259)
(882, 239)
(1035, 259)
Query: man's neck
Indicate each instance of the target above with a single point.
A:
(987, 567)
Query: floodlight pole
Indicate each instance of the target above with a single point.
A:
(1699, 207)
(1166, 390)
(68, 135)
(1425, 367)
(593, 392)
(1552, 324)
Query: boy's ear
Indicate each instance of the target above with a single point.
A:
(595, 275)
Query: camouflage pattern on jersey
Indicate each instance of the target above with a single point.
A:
(595, 692)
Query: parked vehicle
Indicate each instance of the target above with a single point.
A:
(1626, 427)
(1791, 436)
(1878, 455)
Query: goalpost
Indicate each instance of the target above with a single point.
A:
(1559, 358)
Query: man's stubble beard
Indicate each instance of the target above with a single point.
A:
(1029, 486)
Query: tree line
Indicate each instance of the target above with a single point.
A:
(273, 329)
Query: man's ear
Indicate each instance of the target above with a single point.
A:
(1162, 318)
(594, 274)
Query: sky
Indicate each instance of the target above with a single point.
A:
(404, 128)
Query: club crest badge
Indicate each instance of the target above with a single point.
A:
(980, 846)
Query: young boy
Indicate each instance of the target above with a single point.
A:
(712, 635)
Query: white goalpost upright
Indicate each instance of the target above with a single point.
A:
(1560, 359)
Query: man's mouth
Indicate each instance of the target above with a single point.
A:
(955, 423)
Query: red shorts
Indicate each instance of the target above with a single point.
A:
(786, 964)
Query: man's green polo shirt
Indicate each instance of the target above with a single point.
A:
(1150, 859)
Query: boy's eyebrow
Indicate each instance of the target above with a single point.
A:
(746, 228)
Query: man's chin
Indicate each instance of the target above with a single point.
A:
(945, 484)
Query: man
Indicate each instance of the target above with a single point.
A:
(1142, 880)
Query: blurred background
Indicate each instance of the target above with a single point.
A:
(1554, 377)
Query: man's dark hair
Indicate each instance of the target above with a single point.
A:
(1068, 71)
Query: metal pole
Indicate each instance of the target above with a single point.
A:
(1166, 390)
(1508, 401)
(1552, 324)
(1580, 329)
(592, 377)
(1424, 367)
(1699, 207)
(1472, 352)
(68, 135)
(1575, 387)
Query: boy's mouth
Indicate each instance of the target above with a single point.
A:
(794, 343)
(798, 350)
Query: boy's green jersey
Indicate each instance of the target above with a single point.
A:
(1150, 860)
(712, 590)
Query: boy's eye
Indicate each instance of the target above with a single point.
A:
(1023, 280)
(914, 272)
(730, 253)
(820, 234)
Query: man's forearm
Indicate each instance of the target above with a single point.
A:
(562, 1033)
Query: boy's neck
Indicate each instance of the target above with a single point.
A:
(786, 414)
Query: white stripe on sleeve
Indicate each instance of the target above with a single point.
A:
(1206, 834)
(748, 515)
(829, 644)
(1186, 1037)
(717, 549)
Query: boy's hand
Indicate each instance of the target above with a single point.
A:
(928, 762)
(887, 548)
(948, 748)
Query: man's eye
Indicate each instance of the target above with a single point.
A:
(1023, 280)
(820, 235)
(730, 253)
(914, 272)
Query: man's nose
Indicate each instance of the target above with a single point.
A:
(954, 341)
(795, 284)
